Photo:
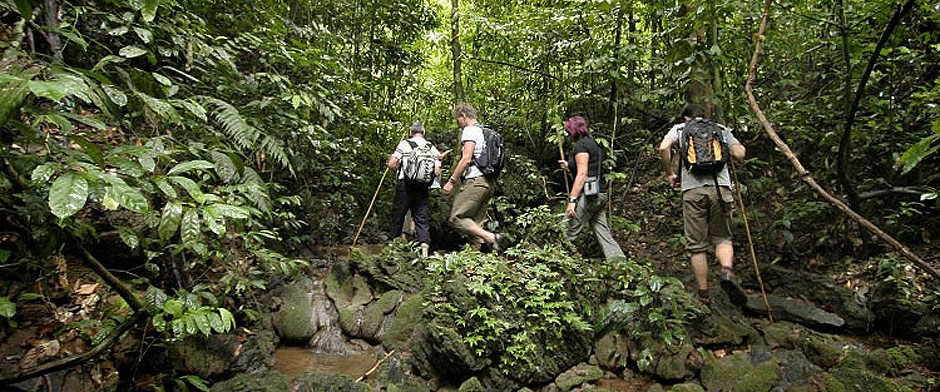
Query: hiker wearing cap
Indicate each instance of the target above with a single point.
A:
(418, 164)
(704, 149)
(468, 211)
(587, 202)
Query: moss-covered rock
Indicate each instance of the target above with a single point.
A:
(440, 351)
(822, 349)
(270, 381)
(407, 316)
(352, 291)
(687, 387)
(471, 385)
(372, 317)
(407, 388)
(669, 362)
(719, 329)
(612, 351)
(737, 373)
(580, 374)
(388, 301)
(332, 382)
(208, 357)
(295, 320)
(350, 321)
(257, 353)
(861, 380)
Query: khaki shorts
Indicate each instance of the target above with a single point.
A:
(469, 205)
(703, 218)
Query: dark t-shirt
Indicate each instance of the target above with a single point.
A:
(596, 154)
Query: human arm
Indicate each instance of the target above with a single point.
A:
(393, 162)
(665, 152)
(466, 158)
(581, 161)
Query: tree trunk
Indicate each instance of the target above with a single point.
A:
(615, 76)
(455, 50)
(52, 21)
(845, 142)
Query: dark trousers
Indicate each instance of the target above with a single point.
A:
(414, 197)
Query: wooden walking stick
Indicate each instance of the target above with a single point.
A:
(374, 196)
(750, 242)
(561, 155)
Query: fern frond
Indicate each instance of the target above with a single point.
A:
(233, 124)
(272, 147)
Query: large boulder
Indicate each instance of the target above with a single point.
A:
(295, 321)
(270, 381)
(332, 382)
(794, 310)
(612, 351)
(740, 373)
(404, 320)
(580, 374)
(669, 362)
(440, 351)
(208, 357)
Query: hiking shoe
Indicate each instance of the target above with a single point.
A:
(736, 294)
(702, 296)
(498, 243)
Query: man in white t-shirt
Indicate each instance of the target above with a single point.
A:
(468, 211)
(411, 195)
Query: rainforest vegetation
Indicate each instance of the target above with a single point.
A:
(183, 182)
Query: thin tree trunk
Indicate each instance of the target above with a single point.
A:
(801, 171)
(52, 21)
(713, 65)
(618, 31)
(845, 144)
(455, 50)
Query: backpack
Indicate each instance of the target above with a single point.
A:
(419, 167)
(492, 160)
(703, 147)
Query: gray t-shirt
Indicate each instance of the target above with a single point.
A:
(692, 181)
(473, 133)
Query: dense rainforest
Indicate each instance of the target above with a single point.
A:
(195, 196)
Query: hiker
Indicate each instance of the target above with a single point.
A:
(587, 202)
(468, 211)
(418, 163)
(707, 200)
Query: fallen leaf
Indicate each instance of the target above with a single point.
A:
(37, 354)
(87, 288)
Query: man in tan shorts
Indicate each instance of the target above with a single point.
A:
(707, 223)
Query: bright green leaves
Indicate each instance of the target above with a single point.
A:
(67, 195)
(920, 150)
(7, 307)
(149, 10)
(127, 197)
(170, 219)
(186, 315)
(190, 165)
(224, 167)
(190, 228)
(12, 93)
(131, 51)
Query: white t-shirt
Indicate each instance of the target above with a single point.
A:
(404, 150)
(692, 181)
(473, 133)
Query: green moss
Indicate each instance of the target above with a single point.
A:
(254, 382)
(471, 385)
(736, 373)
(295, 317)
(333, 382)
(350, 321)
(903, 357)
(372, 317)
(388, 301)
(856, 380)
(687, 387)
(407, 316)
(578, 375)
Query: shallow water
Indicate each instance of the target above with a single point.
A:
(294, 361)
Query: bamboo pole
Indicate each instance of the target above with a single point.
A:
(802, 173)
(750, 242)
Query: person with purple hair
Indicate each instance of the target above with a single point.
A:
(587, 202)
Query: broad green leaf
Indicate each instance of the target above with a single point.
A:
(155, 298)
(129, 237)
(191, 327)
(165, 187)
(109, 203)
(215, 321)
(67, 195)
(93, 151)
(131, 51)
(44, 172)
(149, 10)
(7, 307)
(193, 107)
(118, 31)
(202, 323)
(162, 79)
(190, 229)
(173, 307)
(228, 211)
(109, 59)
(89, 121)
(50, 90)
(224, 167)
(197, 382)
(228, 321)
(184, 167)
(179, 327)
(145, 35)
(127, 197)
(191, 187)
(115, 95)
(214, 223)
(170, 220)
(918, 152)
(166, 111)
(12, 92)
(147, 162)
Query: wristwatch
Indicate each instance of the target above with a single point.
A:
(573, 200)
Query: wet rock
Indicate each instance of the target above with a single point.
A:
(718, 329)
(352, 291)
(392, 371)
(373, 316)
(796, 371)
(929, 325)
(208, 357)
(406, 318)
(738, 373)
(392, 268)
(687, 387)
(612, 351)
(853, 306)
(407, 388)
(580, 374)
(269, 381)
(793, 310)
(670, 362)
(295, 320)
(256, 353)
(860, 380)
(440, 351)
(333, 382)
(471, 385)
(823, 350)
(350, 320)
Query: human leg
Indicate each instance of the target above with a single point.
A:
(469, 207)
(399, 208)
(421, 214)
(601, 230)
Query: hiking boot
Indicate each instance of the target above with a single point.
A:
(498, 243)
(736, 294)
(702, 296)
(424, 251)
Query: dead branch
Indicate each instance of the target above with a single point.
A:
(363, 377)
(802, 173)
